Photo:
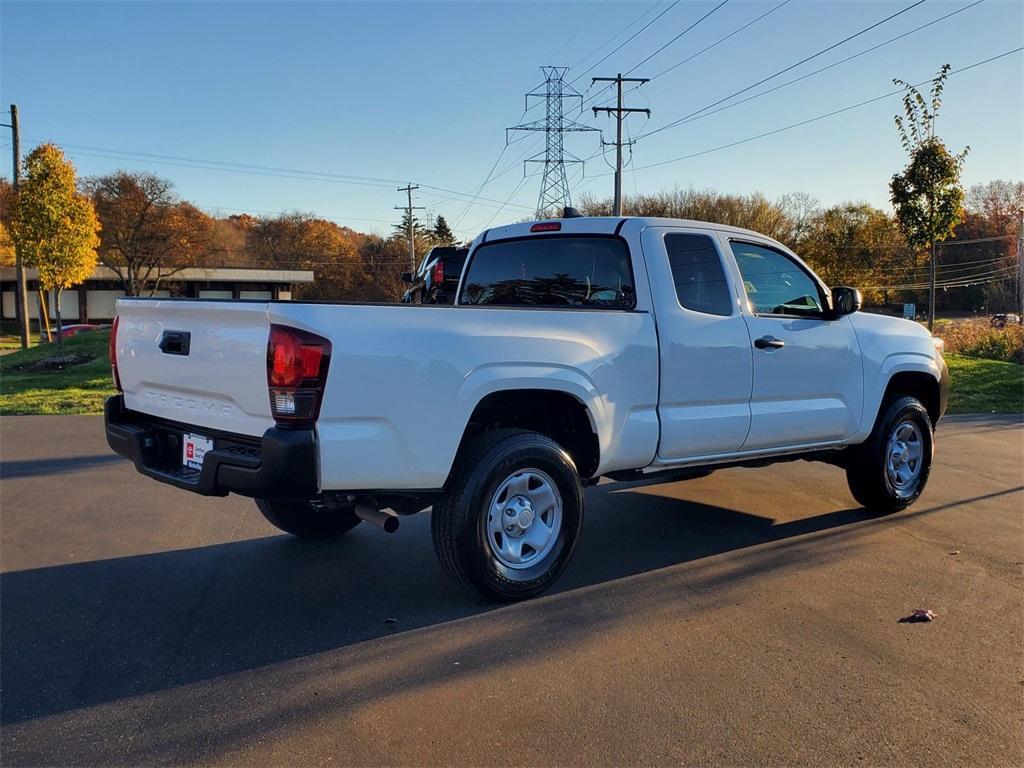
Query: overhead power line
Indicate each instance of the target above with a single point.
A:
(724, 107)
(782, 71)
(1007, 274)
(490, 174)
(270, 170)
(335, 219)
(721, 40)
(245, 168)
(976, 239)
(626, 42)
(635, 67)
(652, 7)
(703, 50)
(820, 117)
(577, 31)
(479, 189)
(511, 194)
(948, 243)
(666, 45)
(489, 201)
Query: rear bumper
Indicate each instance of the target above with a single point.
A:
(281, 464)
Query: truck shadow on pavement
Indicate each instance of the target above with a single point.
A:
(10, 470)
(85, 634)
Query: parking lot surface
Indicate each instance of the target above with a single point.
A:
(751, 616)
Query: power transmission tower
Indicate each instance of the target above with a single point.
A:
(409, 208)
(619, 111)
(20, 291)
(554, 187)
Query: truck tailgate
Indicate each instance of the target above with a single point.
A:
(197, 362)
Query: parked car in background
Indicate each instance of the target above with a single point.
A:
(73, 330)
(1003, 320)
(437, 278)
(627, 348)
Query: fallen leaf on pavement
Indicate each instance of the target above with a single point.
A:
(918, 615)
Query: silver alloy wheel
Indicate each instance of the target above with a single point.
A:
(904, 458)
(524, 518)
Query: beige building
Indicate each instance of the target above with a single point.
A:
(94, 300)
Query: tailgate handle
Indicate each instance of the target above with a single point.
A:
(175, 342)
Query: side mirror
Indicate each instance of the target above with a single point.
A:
(845, 300)
(407, 277)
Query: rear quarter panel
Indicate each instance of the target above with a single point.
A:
(404, 380)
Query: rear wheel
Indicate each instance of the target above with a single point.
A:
(889, 471)
(308, 519)
(510, 520)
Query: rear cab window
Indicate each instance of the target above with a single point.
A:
(697, 273)
(551, 271)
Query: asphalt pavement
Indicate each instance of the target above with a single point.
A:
(749, 617)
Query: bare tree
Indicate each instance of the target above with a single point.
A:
(383, 261)
(148, 234)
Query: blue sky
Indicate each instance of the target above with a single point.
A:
(423, 91)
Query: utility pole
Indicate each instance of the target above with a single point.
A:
(619, 111)
(931, 290)
(409, 208)
(1020, 264)
(20, 291)
(554, 187)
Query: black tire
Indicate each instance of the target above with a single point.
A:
(867, 471)
(460, 521)
(308, 519)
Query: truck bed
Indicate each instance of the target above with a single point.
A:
(403, 379)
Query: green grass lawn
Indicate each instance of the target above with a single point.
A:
(978, 386)
(9, 338)
(985, 386)
(78, 389)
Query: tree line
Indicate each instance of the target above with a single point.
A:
(140, 229)
(136, 225)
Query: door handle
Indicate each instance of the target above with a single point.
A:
(769, 342)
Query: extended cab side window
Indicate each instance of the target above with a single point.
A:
(775, 284)
(697, 273)
(551, 271)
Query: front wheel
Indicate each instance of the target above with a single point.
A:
(510, 521)
(308, 519)
(889, 471)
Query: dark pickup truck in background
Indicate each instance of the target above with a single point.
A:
(437, 279)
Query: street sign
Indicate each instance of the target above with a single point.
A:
(910, 311)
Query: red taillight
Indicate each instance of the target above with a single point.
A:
(113, 355)
(546, 226)
(439, 271)
(297, 363)
(292, 359)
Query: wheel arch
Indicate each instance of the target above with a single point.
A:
(559, 414)
(920, 381)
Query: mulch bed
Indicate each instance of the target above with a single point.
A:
(55, 363)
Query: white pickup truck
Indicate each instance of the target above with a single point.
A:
(577, 349)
